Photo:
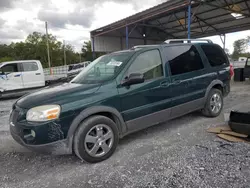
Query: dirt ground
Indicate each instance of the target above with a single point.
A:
(179, 153)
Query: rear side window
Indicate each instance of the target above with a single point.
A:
(183, 59)
(215, 55)
(9, 68)
(30, 66)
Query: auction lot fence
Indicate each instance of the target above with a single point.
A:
(238, 64)
(60, 70)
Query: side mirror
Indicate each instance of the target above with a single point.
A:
(134, 78)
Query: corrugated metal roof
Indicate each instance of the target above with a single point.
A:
(169, 20)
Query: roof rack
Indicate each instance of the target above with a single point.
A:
(187, 40)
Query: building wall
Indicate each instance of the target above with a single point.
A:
(110, 44)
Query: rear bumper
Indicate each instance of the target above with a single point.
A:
(56, 148)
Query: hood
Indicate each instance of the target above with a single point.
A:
(62, 94)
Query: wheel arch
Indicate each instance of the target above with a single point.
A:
(217, 84)
(109, 112)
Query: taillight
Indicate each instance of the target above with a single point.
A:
(231, 71)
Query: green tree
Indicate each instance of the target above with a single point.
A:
(35, 47)
(3, 59)
(87, 54)
(87, 51)
(240, 47)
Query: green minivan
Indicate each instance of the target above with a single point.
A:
(120, 93)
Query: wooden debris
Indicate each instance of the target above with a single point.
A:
(231, 138)
(226, 133)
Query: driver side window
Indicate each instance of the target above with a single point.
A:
(9, 68)
(147, 63)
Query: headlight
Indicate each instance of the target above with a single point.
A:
(43, 113)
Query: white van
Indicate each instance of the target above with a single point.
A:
(21, 75)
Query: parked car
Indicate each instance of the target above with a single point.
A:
(121, 93)
(21, 75)
(75, 69)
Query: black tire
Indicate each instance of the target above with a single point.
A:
(82, 131)
(207, 110)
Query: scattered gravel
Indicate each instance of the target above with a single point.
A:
(179, 153)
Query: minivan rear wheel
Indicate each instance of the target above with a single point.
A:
(214, 103)
(96, 139)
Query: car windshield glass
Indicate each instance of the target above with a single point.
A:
(103, 68)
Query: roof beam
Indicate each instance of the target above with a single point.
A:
(218, 22)
(206, 23)
(132, 29)
(227, 9)
(200, 26)
(207, 11)
(247, 6)
(177, 19)
(210, 18)
(158, 28)
(227, 30)
(227, 4)
(180, 30)
(130, 22)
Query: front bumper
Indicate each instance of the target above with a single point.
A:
(57, 148)
(239, 121)
(48, 137)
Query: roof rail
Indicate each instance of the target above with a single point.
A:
(188, 40)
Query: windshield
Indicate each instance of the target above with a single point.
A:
(103, 68)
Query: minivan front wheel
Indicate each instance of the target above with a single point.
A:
(214, 104)
(96, 139)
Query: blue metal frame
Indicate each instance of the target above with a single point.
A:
(189, 20)
(127, 37)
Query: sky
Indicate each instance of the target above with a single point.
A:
(72, 20)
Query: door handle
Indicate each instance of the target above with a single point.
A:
(164, 84)
(38, 73)
(176, 82)
(17, 75)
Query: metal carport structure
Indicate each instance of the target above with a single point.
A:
(174, 19)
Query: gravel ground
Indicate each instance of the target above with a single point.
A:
(179, 153)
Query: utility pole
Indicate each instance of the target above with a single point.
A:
(47, 36)
(80, 57)
(64, 53)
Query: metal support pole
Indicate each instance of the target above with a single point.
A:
(189, 20)
(64, 53)
(93, 48)
(223, 40)
(47, 37)
(145, 35)
(127, 37)
(121, 43)
(224, 44)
